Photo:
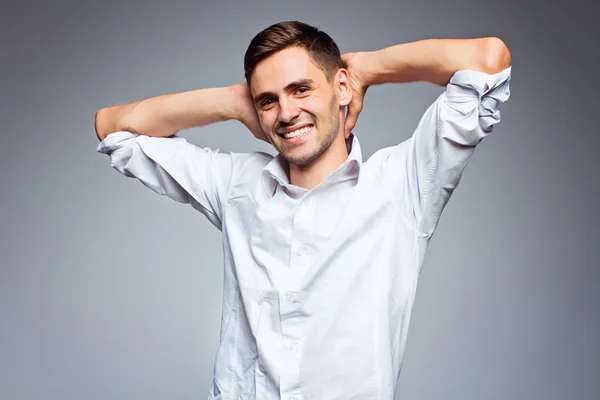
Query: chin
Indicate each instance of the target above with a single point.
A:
(301, 159)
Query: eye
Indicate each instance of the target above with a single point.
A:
(302, 90)
(266, 103)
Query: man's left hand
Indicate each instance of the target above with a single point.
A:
(354, 64)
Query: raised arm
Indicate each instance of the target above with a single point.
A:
(436, 60)
(138, 138)
(430, 60)
(423, 171)
(165, 115)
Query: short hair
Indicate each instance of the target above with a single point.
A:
(320, 47)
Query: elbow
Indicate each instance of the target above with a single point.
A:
(104, 123)
(99, 125)
(496, 56)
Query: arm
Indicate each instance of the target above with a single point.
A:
(138, 139)
(165, 115)
(423, 171)
(435, 60)
(431, 60)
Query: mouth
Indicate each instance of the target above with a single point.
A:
(296, 135)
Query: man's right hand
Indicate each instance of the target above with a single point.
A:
(165, 115)
(246, 112)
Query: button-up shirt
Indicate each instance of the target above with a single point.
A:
(319, 284)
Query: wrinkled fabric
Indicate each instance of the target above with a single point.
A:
(319, 284)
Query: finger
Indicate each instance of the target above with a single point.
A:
(351, 118)
(348, 126)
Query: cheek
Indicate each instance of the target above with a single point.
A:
(320, 107)
(266, 121)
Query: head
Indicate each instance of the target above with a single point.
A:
(300, 87)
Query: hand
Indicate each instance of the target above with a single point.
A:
(354, 64)
(245, 111)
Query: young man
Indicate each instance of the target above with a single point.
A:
(322, 250)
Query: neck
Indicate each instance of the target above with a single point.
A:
(310, 175)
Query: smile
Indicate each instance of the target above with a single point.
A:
(296, 133)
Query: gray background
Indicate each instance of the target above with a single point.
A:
(109, 291)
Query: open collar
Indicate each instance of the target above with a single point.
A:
(275, 173)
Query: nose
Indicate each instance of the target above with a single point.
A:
(288, 110)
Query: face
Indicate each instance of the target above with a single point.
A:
(298, 108)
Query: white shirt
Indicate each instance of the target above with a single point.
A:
(319, 284)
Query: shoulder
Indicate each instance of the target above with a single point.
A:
(382, 155)
(248, 166)
(251, 162)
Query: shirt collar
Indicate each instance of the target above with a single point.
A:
(275, 173)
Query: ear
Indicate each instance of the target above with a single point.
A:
(343, 87)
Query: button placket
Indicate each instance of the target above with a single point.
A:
(302, 225)
(290, 302)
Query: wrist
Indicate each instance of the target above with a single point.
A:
(235, 100)
(370, 68)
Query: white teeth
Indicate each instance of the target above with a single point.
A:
(297, 132)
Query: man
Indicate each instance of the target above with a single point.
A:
(322, 250)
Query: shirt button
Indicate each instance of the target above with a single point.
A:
(291, 346)
(289, 297)
(292, 398)
(301, 251)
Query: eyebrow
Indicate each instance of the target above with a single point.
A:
(300, 82)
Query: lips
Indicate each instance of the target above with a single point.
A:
(297, 135)
(295, 131)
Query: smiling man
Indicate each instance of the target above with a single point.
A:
(300, 110)
(322, 249)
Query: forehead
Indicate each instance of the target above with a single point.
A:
(288, 65)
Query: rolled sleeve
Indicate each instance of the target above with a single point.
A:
(173, 167)
(425, 169)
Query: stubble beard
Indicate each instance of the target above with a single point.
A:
(323, 141)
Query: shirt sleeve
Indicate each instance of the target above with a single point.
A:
(424, 170)
(175, 168)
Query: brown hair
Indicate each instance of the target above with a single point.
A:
(320, 46)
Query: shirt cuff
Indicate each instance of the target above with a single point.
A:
(112, 141)
(475, 83)
(487, 93)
